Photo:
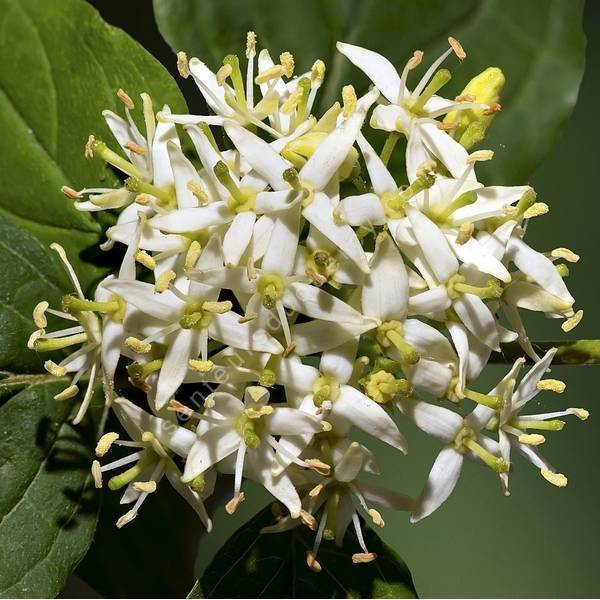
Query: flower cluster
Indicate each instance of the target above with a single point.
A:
(308, 291)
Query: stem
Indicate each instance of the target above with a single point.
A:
(575, 352)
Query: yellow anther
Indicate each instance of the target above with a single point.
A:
(565, 254)
(363, 557)
(317, 73)
(287, 62)
(143, 199)
(465, 232)
(480, 156)
(126, 518)
(537, 210)
(70, 192)
(247, 318)
(125, 99)
(448, 126)
(426, 167)
(198, 191)
(88, 151)
(175, 405)
(234, 503)
(289, 349)
(257, 413)
(553, 385)
(492, 109)
(67, 393)
(34, 337)
(318, 466)
(312, 562)
(326, 425)
(377, 518)
(135, 148)
(54, 369)
(288, 107)
(557, 479)
(465, 98)
(580, 413)
(532, 439)
(202, 366)
(105, 442)
(137, 345)
(571, 323)
(97, 474)
(144, 487)
(182, 64)
(273, 72)
(250, 44)
(223, 73)
(457, 47)
(145, 259)
(218, 308)
(308, 520)
(349, 100)
(163, 281)
(316, 490)
(39, 314)
(416, 59)
(192, 255)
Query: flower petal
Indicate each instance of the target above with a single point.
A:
(440, 422)
(174, 366)
(214, 445)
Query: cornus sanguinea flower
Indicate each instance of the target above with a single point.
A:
(302, 289)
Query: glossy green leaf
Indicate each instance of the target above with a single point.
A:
(62, 65)
(251, 565)
(539, 44)
(48, 507)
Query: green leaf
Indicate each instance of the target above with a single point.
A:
(48, 507)
(539, 44)
(62, 66)
(251, 565)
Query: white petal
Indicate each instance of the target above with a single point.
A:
(281, 251)
(291, 421)
(381, 179)
(209, 158)
(528, 387)
(319, 336)
(353, 406)
(365, 209)
(339, 361)
(376, 67)
(350, 464)
(216, 444)
(193, 219)
(184, 173)
(375, 494)
(385, 289)
(238, 237)
(433, 419)
(445, 148)
(186, 492)
(431, 301)
(441, 482)
(478, 318)
(213, 93)
(174, 367)
(246, 336)
(472, 253)
(268, 202)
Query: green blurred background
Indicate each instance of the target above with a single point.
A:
(541, 541)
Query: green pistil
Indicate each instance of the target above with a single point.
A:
(125, 478)
(239, 200)
(206, 130)
(492, 291)
(473, 134)
(246, 430)
(270, 288)
(494, 462)
(291, 176)
(198, 483)
(139, 371)
(462, 200)
(267, 378)
(388, 147)
(71, 304)
(494, 402)
(236, 77)
(563, 270)
(332, 506)
(409, 355)
(423, 182)
(526, 201)
(49, 345)
(294, 157)
(304, 85)
(552, 425)
(325, 389)
(195, 317)
(138, 186)
(437, 82)
(105, 153)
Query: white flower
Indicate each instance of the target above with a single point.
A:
(153, 438)
(245, 429)
(514, 428)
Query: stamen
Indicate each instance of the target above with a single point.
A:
(457, 47)
(192, 255)
(218, 308)
(67, 393)
(163, 281)
(580, 413)
(492, 109)
(145, 259)
(105, 442)
(287, 62)
(70, 192)
(257, 413)
(531, 439)
(557, 479)
(97, 474)
(377, 518)
(202, 366)
(349, 100)
(138, 345)
(198, 191)
(135, 148)
(480, 156)
(176, 406)
(308, 520)
(317, 73)
(316, 490)
(223, 73)
(415, 60)
(126, 518)
(537, 210)
(363, 557)
(88, 151)
(146, 487)
(55, 369)
(234, 503)
(318, 466)
(312, 562)
(182, 64)
(554, 385)
(571, 323)
(465, 233)
(273, 72)
(247, 319)
(250, 44)
(125, 99)
(565, 254)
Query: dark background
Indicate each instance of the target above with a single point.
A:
(541, 541)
